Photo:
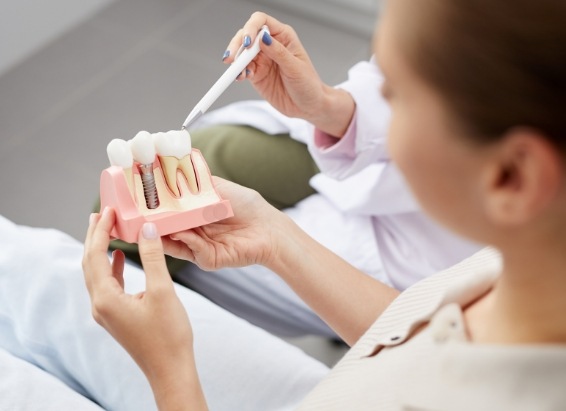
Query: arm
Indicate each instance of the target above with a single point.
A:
(284, 76)
(348, 300)
(177, 387)
(365, 140)
(152, 326)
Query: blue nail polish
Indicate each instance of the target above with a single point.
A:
(247, 41)
(248, 72)
(266, 38)
(225, 55)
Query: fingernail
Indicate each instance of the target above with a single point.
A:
(248, 72)
(91, 218)
(266, 38)
(225, 55)
(149, 231)
(247, 41)
(105, 212)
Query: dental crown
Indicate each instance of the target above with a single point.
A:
(120, 153)
(174, 143)
(143, 148)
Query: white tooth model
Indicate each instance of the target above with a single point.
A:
(120, 154)
(143, 151)
(142, 147)
(174, 149)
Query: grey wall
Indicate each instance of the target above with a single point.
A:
(356, 16)
(27, 25)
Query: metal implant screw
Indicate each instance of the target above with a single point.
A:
(149, 188)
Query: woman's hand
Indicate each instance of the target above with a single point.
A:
(284, 75)
(152, 326)
(252, 236)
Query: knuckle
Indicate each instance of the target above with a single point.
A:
(152, 256)
(290, 31)
(101, 309)
(258, 15)
(148, 247)
(97, 317)
(161, 291)
(255, 195)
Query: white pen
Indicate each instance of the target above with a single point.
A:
(243, 57)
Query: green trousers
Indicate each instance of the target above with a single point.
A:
(278, 167)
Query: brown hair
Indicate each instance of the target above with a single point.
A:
(498, 63)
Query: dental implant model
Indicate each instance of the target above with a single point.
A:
(143, 151)
(159, 178)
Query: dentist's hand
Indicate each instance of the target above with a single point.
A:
(284, 75)
(252, 236)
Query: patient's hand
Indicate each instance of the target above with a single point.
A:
(250, 237)
(152, 326)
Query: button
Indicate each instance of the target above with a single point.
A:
(447, 324)
(393, 339)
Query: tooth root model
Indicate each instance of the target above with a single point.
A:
(120, 154)
(187, 167)
(143, 151)
(174, 149)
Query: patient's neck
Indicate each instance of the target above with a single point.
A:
(527, 305)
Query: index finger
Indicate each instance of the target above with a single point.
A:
(259, 19)
(100, 237)
(251, 28)
(93, 219)
(95, 253)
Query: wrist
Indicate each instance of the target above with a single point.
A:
(280, 240)
(288, 245)
(177, 387)
(335, 112)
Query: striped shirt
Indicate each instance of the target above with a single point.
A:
(393, 368)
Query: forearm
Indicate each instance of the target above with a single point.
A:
(348, 300)
(177, 387)
(335, 112)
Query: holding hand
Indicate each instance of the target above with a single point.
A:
(152, 326)
(252, 236)
(284, 75)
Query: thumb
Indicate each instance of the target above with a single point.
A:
(153, 258)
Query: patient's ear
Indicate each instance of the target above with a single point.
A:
(523, 177)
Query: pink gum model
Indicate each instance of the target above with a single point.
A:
(123, 191)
